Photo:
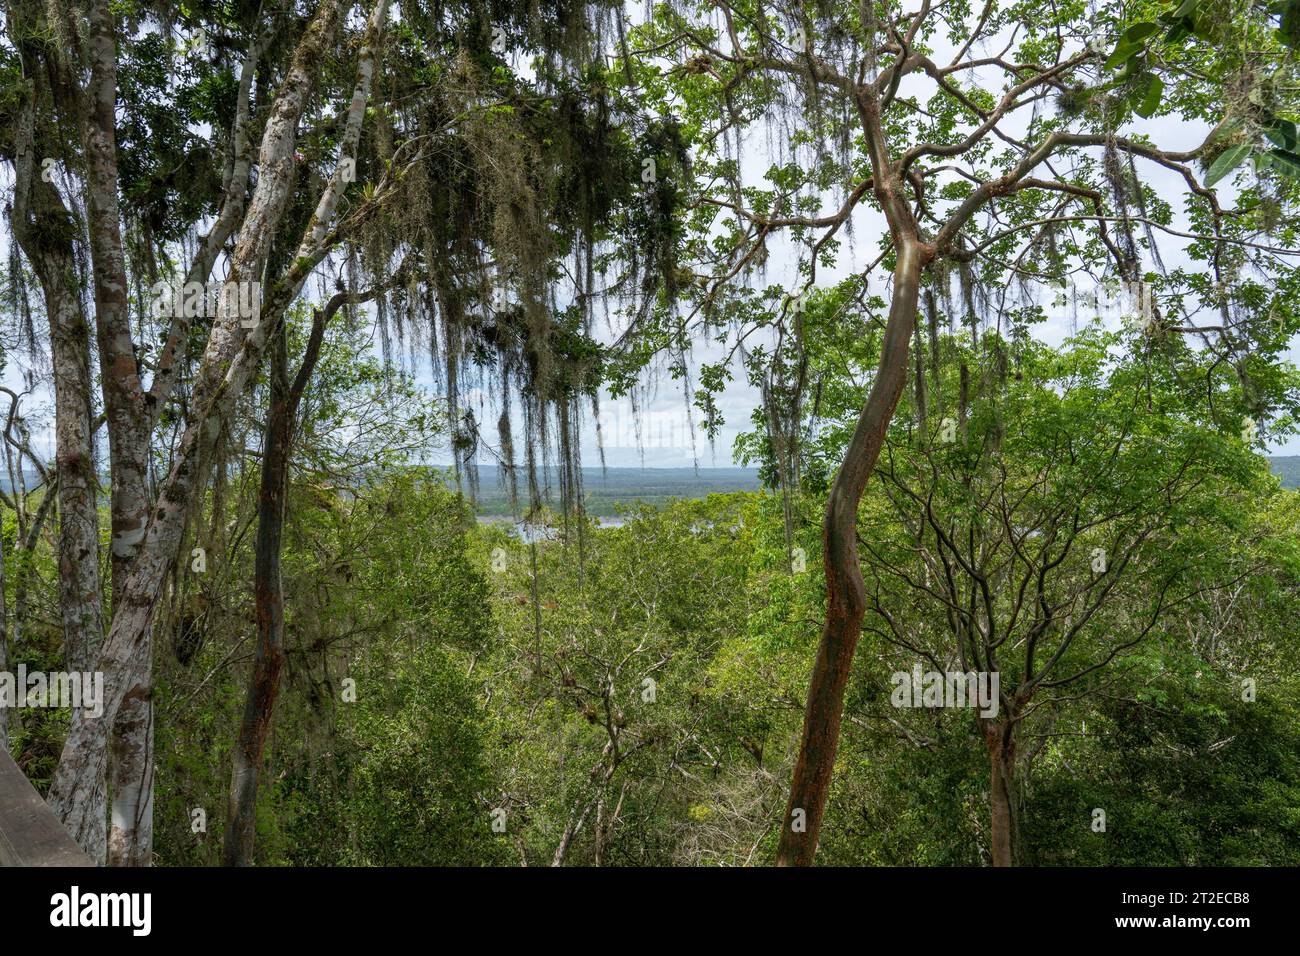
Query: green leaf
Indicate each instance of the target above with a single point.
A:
(1290, 29)
(1229, 160)
(1285, 162)
(1139, 32)
(1228, 128)
(1134, 67)
(1122, 54)
(1282, 133)
(1146, 98)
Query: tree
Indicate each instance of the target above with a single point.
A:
(1044, 179)
(282, 416)
(1064, 527)
(600, 732)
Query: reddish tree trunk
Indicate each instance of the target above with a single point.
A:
(845, 594)
(264, 683)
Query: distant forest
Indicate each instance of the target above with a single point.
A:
(1287, 467)
(608, 491)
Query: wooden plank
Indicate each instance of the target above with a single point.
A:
(30, 833)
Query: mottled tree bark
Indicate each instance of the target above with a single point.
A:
(130, 835)
(129, 429)
(1002, 795)
(132, 769)
(45, 232)
(80, 596)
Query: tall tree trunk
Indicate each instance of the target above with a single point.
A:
(45, 232)
(80, 596)
(264, 682)
(921, 398)
(131, 836)
(1002, 795)
(79, 586)
(132, 773)
(845, 592)
(44, 229)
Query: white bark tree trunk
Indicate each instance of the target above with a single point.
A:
(44, 230)
(129, 428)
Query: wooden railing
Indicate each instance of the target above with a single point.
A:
(30, 833)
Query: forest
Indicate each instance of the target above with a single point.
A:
(323, 325)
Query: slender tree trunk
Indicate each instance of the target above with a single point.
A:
(922, 404)
(80, 595)
(932, 320)
(79, 586)
(1002, 796)
(845, 592)
(131, 835)
(128, 425)
(44, 230)
(264, 683)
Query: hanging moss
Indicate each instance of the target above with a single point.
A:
(521, 196)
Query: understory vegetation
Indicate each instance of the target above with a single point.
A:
(456, 693)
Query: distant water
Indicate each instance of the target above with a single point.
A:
(528, 533)
(605, 490)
